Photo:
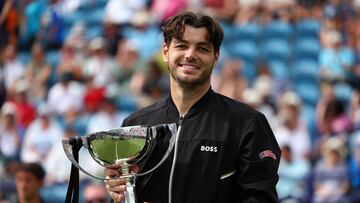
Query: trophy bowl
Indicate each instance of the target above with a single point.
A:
(125, 146)
(109, 148)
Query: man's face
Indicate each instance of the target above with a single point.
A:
(27, 185)
(190, 59)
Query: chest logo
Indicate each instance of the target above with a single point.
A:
(208, 148)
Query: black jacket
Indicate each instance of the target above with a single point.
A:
(226, 153)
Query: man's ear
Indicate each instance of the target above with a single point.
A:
(165, 52)
(216, 58)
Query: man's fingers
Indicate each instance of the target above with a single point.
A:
(114, 166)
(112, 172)
(117, 189)
(116, 182)
(118, 198)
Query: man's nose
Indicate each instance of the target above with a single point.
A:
(190, 53)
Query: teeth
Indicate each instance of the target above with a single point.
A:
(190, 67)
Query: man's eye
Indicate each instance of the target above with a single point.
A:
(180, 46)
(204, 49)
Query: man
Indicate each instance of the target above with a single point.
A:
(29, 180)
(226, 151)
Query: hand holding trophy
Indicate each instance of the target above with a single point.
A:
(124, 146)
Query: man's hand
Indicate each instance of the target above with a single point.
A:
(116, 186)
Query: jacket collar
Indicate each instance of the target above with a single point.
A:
(197, 107)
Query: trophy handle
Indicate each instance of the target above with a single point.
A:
(167, 153)
(67, 145)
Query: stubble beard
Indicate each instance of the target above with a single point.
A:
(191, 84)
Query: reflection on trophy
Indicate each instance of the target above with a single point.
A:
(126, 146)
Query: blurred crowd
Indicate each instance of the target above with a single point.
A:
(73, 67)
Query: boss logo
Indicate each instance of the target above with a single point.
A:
(208, 149)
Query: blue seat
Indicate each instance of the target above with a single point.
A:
(95, 16)
(248, 31)
(276, 49)
(126, 103)
(53, 58)
(307, 47)
(249, 70)
(54, 193)
(278, 30)
(305, 69)
(228, 29)
(245, 50)
(148, 41)
(279, 69)
(94, 31)
(74, 17)
(308, 91)
(308, 116)
(308, 27)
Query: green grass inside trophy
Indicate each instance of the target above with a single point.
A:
(127, 146)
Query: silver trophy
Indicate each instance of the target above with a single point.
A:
(126, 146)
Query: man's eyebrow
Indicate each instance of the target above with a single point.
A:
(203, 43)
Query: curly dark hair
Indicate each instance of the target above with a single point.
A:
(174, 28)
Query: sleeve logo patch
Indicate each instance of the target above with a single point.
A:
(267, 153)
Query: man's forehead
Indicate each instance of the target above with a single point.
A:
(193, 33)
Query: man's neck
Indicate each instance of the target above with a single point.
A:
(184, 97)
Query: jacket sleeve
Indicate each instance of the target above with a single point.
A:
(259, 157)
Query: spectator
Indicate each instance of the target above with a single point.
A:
(38, 74)
(355, 108)
(52, 29)
(25, 110)
(331, 180)
(57, 166)
(71, 60)
(163, 9)
(95, 193)
(293, 176)
(292, 130)
(121, 12)
(5, 10)
(230, 82)
(13, 68)
(40, 137)
(335, 118)
(32, 22)
(142, 29)
(69, 92)
(113, 35)
(107, 117)
(129, 69)
(29, 180)
(99, 64)
(354, 167)
(335, 60)
(155, 84)
(10, 139)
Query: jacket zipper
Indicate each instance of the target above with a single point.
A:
(174, 158)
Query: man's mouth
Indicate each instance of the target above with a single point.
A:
(189, 67)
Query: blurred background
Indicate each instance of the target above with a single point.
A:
(72, 67)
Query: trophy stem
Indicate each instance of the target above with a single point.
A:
(129, 193)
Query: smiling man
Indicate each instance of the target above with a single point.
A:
(225, 151)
